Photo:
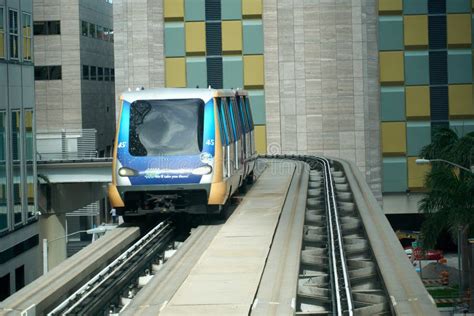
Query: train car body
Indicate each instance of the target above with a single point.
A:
(185, 150)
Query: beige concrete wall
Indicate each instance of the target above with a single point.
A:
(321, 81)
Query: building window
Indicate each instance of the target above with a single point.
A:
(27, 37)
(48, 73)
(13, 33)
(4, 286)
(19, 277)
(100, 32)
(100, 73)
(29, 153)
(16, 157)
(85, 72)
(3, 175)
(47, 27)
(84, 28)
(106, 74)
(92, 31)
(93, 73)
(2, 33)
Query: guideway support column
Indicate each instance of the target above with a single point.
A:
(53, 237)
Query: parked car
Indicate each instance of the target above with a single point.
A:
(418, 254)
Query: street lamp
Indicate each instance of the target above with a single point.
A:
(423, 161)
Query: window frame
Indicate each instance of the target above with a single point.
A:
(25, 38)
(32, 161)
(21, 162)
(6, 151)
(84, 77)
(3, 25)
(13, 35)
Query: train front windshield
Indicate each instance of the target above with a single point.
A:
(166, 127)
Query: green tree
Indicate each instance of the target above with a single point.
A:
(449, 203)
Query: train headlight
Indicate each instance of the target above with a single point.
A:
(127, 172)
(201, 171)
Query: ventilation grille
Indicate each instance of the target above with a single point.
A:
(214, 72)
(439, 103)
(437, 31)
(438, 67)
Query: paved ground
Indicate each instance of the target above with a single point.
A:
(431, 269)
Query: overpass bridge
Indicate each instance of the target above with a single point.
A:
(307, 238)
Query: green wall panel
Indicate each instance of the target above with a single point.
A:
(233, 72)
(395, 174)
(257, 102)
(392, 103)
(417, 68)
(418, 136)
(231, 9)
(196, 72)
(462, 127)
(253, 37)
(390, 33)
(460, 66)
(174, 39)
(195, 10)
(415, 6)
(458, 6)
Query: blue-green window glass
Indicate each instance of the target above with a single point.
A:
(462, 127)
(257, 104)
(16, 157)
(231, 9)
(392, 103)
(233, 72)
(415, 6)
(195, 10)
(29, 150)
(390, 33)
(417, 67)
(418, 136)
(458, 6)
(196, 72)
(253, 37)
(395, 174)
(174, 39)
(460, 66)
(3, 174)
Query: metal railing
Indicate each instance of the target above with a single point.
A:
(67, 144)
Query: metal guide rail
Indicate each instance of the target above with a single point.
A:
(92, 298)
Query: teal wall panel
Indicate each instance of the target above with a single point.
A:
(253, 37)
(417, 68)
(418, 136)
(462, 127)
(395, 174)
(195, 10)
(257, 102)
(415, 6)
(458, 6)
(196, 72)
(460, 66)
(231, 9)
(392, 103)
(390, 33)
(174, 39)
(233, 72)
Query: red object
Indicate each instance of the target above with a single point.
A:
(430, 254)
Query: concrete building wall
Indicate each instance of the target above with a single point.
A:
(139, 50)
(321, 81)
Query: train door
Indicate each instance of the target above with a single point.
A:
(250, 120)
(231, 133)
(238, 133)
(224, 137)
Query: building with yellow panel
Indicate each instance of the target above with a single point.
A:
(426, 80)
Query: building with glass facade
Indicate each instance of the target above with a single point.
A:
(19, 251)
(426, 82)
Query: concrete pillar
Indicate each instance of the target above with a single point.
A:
(53, 228)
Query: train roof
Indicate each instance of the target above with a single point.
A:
(179, 93)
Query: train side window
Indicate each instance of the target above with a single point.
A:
(235, 121)
(220, 105)
(242, 115)
(249, 113)
(237, 117)
(230, 126)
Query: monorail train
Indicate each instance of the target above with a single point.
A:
(179, 149)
